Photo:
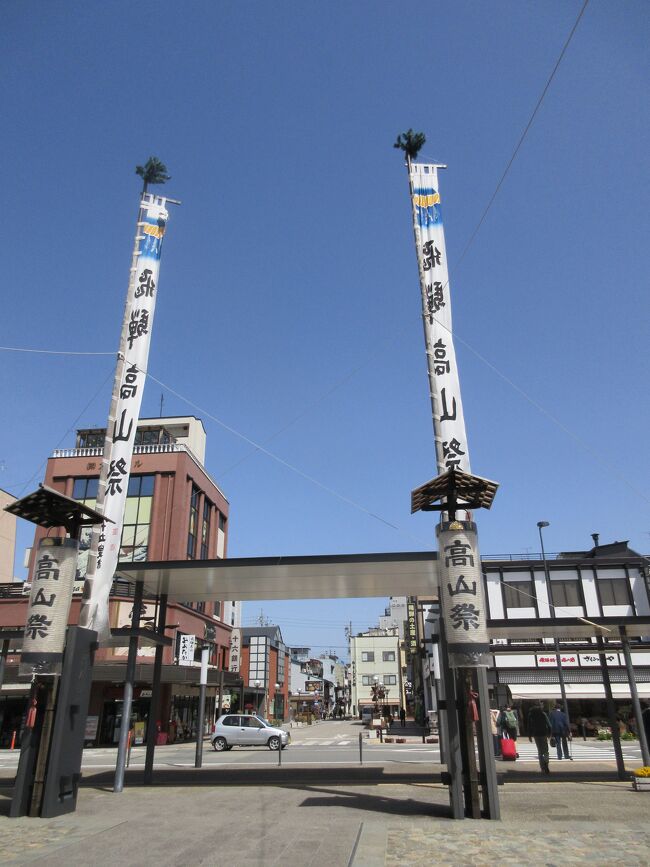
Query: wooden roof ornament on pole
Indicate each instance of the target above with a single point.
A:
(128, 384)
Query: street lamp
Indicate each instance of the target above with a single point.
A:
(275, 700)
(560, 673)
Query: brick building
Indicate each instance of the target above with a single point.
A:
(265, 665)
(174, 511)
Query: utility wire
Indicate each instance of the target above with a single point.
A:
(50, 351)
(524, 134)
(70, 428)
(281, 461)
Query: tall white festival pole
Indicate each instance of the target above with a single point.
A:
(87, 614)
(126, 399)
(461, 588)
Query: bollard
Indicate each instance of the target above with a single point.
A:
(13, 740)
(381, 735)
(128, 750)
(360, 748)
(280, 755)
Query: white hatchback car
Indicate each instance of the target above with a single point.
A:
(234, 729)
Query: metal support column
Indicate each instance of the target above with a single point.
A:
(453, 752)
(636, 704)
(467, 746)
(127, 702)
(205, 655)
(489, 781)
(611, 711)
(3, 659)
(220, 708)
(154, 707)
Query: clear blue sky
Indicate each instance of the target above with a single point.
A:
(289, 282)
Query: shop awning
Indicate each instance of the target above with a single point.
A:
(575, 690)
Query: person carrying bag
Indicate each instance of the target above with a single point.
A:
(560, 731)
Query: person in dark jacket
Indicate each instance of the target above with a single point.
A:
(560, 731)
(539, 727)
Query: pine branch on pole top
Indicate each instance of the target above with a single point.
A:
(152, 172)
(411, 143)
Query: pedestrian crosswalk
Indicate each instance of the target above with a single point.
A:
(580, 752)
(320, 743)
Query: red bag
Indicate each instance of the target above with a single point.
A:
(508, 750)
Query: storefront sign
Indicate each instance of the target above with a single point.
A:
(92, 723)
(411, 628)
(592, 660)
(187, 646)
(235, 648)
(461, 594)
(124, 620)
(49, 606)
(549, 660)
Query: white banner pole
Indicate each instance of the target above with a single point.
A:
(126, 399)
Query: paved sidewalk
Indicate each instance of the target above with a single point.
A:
(377, 820)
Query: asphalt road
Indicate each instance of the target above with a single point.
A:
(327, 743)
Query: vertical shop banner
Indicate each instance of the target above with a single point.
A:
(186, 649)
(141, 304)
(461, 594)
(411, 629)
(447, 407)
(235, 650)
(49, 606)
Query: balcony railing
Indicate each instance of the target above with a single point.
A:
(98, 451)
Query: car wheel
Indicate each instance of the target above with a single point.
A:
(219, 745)
(274, 743)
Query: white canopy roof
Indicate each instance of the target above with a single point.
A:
(332, 576)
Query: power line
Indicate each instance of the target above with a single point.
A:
(71, 428)
(50, 351)
(523, 135)
(284, 463)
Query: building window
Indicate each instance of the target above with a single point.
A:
(519, 594)
(85, 490)
(217, 609)
(137, 518)
(152, 436)
(614, 591)
(367, 680)
(388, 656)
(281, 652)
(205, 528)
(368, 656)
(390, 679)
(222, 522)
(565, 593)
(90, 439)
(194, 523)
(258, 665)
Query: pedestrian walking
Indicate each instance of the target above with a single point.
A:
(539, 728)
(560, 731)
(402, 717)
(508, 723)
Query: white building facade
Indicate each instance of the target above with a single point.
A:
(375, 658)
